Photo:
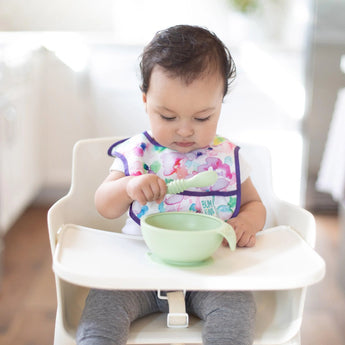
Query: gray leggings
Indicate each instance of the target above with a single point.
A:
(229, 316)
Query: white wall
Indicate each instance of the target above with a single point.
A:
(104, 99)
(324, 80)
(60, 15)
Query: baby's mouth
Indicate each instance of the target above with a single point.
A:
(184, 143)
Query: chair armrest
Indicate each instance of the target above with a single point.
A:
(74, 210)
(298, 218)
(56, 218)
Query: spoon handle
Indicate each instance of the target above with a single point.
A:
(203, 179)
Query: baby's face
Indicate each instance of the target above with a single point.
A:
(183, 117)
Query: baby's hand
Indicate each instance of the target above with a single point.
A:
(145, 188)
(245, 233)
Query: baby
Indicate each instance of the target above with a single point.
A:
(185, 72)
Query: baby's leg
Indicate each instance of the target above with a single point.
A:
(108, 314)
(229, 316)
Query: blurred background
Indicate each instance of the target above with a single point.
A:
(69, 70)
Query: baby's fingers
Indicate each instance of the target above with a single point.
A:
(246, 240)
(252, 241)
(162, 191)
(155, 190)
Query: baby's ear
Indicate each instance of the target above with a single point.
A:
(145, 100)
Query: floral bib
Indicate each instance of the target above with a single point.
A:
(141, 154)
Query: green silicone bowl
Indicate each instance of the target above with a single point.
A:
(185, 238)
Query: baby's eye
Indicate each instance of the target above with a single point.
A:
(167, 118)
(202, 119)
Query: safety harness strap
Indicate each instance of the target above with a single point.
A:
(177, 316)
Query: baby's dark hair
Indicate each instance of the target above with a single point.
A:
(187, 52)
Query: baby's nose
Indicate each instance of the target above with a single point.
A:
(185, 131)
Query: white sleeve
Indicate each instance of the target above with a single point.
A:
(117, 165)
(245, 168)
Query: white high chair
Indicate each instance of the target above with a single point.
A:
(278, 269)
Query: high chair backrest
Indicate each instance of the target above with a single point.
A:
(259, 158)
(90, 166)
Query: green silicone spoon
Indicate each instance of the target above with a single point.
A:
(203, 179)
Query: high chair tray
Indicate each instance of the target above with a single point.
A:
(89, 257)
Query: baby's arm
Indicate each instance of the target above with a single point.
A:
(252, 215)
(114, 196)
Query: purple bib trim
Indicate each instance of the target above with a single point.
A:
(238, 182)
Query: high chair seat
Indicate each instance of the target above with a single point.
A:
(88, 251)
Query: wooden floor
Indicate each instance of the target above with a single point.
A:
(28, 302)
